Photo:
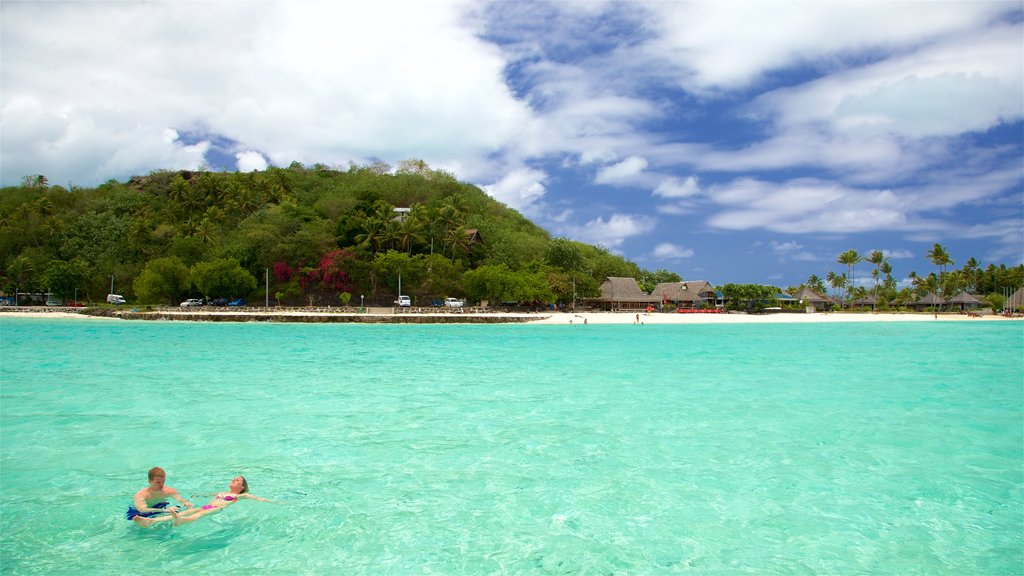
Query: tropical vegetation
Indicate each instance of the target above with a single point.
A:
(302, 235)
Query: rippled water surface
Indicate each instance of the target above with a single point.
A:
(884, 448)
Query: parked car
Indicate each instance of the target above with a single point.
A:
(454, 303)
(236, 303)
(219, 302)
(115, 299)
(191, 302)
(54, 301)
(404, 301)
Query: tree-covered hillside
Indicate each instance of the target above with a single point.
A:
(320, 235)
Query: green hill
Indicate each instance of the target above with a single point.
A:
(318, 235)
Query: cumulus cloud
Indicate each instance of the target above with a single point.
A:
(251, 161)
(278, 79)
(621, 172)
(791, 250)
(669, 251)
(519, 188)
(714, 49)
(805, 205)
(678, 187)
(612, 232)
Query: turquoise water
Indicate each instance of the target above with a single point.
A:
(889, 448)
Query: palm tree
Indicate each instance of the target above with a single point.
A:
(970, 270)
(938, 256)
(410, 232)
(20, 270)
(877, 258)
(851, 258)
(837, 281)
(815, 283)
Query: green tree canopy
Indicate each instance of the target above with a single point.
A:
(163, 280)
(222, 277)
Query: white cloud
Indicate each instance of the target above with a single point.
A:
(805, 205)
(792, 250)
(621, 172)
(295, 80)
(898, 254)
(612, 232)
(519, 188)
(251, 161)
(727, 45)
(669, 251)
(961, 85)
(678, 187)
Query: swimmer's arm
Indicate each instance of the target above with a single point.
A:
(140, 504)
(174, 494)
(252, 497)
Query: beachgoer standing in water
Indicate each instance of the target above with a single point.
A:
(238, 488)
(151, 502)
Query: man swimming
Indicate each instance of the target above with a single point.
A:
(150, 504)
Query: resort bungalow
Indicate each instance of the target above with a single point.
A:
(812, 301)
(694, 294)
(929, 301)
(966, 301)
(622, 294)
(869, 301)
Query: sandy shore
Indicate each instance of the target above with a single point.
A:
(582, 318)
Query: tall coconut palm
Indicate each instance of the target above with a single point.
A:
(940, 257)
(851, 258)
(877, 258)
(837, 281)
(970, 270)
(815, 283)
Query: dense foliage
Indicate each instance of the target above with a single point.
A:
(314, 235)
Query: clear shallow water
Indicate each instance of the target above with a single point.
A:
(781, 449)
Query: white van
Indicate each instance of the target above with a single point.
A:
(115, 299)
(404, 301)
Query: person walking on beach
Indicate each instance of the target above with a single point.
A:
(150, 504)
(237, 488)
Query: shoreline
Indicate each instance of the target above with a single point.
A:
(385, 316)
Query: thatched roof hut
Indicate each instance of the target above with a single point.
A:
(965, 301)
(622, 293)
(929, 301)
(811, 298)
(869, 300)
(692, 294)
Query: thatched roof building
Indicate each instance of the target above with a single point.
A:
(691, 294)
(965, 301)
(868, 301)
(811, 298)
(929, 301)
(622, 293)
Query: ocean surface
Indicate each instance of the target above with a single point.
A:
(888, 448)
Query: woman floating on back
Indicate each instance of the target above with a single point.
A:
(238, 488)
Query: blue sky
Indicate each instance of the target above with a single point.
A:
(725, 141)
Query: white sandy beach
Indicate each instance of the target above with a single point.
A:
(566, 318)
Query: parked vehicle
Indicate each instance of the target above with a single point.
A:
(454, 303)
(115, 299)
(219, 302)
(404, 301)
(54, 301)
(236, 303)
(191, 302)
